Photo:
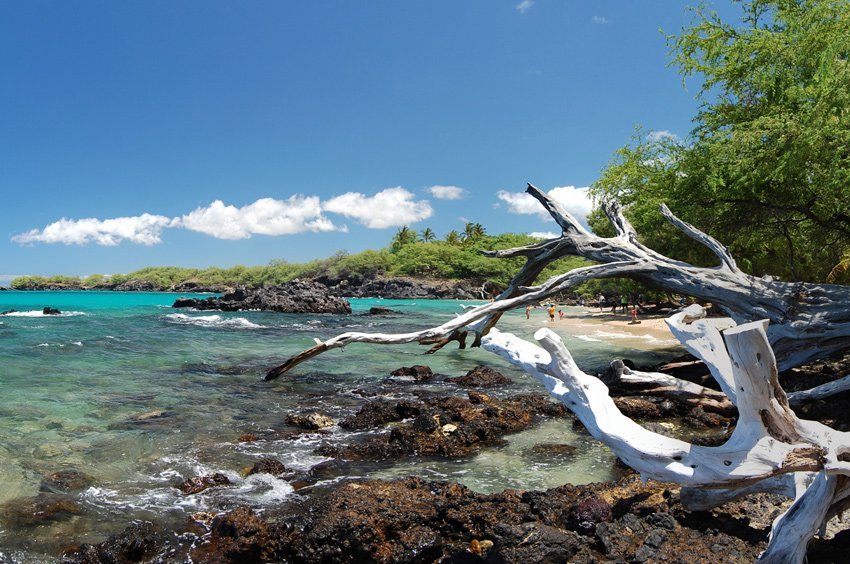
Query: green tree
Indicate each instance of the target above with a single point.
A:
(428, 235)
(453, 238)
(404, 236)
(767, 167)
(473, 232)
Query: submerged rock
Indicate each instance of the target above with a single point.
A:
(297, 296)
(66, 481)
(39, 509)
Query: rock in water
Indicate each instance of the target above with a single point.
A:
(297, 296)
(481, 376)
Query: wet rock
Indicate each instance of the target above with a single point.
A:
(271, 466)
(237, 536)
(310, 421)
(383, 311)
(418, 372)
(637, 408)
(464, 426)
(481, 377)
(65, 481)
(201, 483)
(380, 412)
(38, 509)
(138, 542)
(51, 311)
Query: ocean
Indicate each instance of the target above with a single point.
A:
(140, 396)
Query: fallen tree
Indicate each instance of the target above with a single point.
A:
(807, 321)
(771, 449)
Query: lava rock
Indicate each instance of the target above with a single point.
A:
(297, 296)
(66, 481)
(269, 465)
(310, 421)
(481, 377)
(419, 372)
(39, 509)
(201, 483)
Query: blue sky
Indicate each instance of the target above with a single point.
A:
(219, 133)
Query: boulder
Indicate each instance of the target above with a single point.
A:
(310, 421)
(39, 509)
(201, 483)
(418, 372)
(481, 377)
(268, 465)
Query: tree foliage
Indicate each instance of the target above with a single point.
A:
(767, 167)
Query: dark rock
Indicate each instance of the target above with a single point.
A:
(237, 536)
(588, 513)
(8, 311)
(297, 296)
(702, 418)
(404, 288)
(138, 542)
(383, 311)
(637, 408)
(310, 421)
(201, 483)
(379, 412)
(464, 426)
(66, 481)
(418, 372)
(481, 376)
(51, 311)
(38, 509)
(271, 466)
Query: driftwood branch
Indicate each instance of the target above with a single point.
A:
(806, 320)
(771, 449)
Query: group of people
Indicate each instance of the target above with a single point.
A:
(550, 309)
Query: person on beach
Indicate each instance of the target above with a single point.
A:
(551, 312)
(624, 302)
(560, 314)
(600, 300)
(527, 311)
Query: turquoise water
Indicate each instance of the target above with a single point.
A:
(140, 396)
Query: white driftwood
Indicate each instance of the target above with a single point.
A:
(820, 392)
(771, 449)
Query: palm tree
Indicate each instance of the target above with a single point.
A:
(472, 232)
(428, 235)
(453, 238)
(404, 236)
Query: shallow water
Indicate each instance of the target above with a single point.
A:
(141, 396)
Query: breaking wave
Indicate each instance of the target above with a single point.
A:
(212, 321)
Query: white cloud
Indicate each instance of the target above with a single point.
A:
(575, 200)
(663, 134)
(601, 20)
(544, 234)
(266, 216)
(144, 229)
(447, 192)
(391, 207)
(524, 6)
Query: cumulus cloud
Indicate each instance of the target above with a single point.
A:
(524, 6)
(391, 207)
(446, 192)
(144, 229)
(575, 200)
(266, 216)
(544, 234)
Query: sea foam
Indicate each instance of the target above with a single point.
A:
(212, 321)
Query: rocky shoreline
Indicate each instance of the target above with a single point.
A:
(380, 287)
(297, 296)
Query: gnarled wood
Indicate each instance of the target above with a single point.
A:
(771, 449)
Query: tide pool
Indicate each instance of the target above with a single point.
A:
(140, 396)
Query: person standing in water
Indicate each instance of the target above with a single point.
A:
(528, 311)
(551, 312)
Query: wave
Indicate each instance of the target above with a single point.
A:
(212, 321)
(40, 313)
(74, 343)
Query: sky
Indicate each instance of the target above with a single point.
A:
(212, 133)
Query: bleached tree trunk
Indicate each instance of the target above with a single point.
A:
(771, 449)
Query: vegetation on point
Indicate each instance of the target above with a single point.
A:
(457, 256)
